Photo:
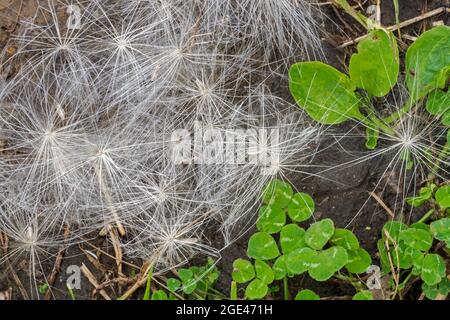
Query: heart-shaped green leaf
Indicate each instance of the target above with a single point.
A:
(417, 268)
(271, 219)
(324, 265)
(359, 261)
(441, 230)
(277, 193)
(256, 289)
(446, 119)
(264, 272)
(425, 194)
(363, 295)
(442, 196)
(345, 238)
(307, 295)
(319, 234)
(279, 268)
(301, 207)
(292, 237)
(173, 284)
(159, 295)
(433, 292)
(243, 271)
(185, 275)
(417, 239)
(326, 94)
(189, 287)
(338, 257)
(404, 256)
(298, 261)
(433, 269)
(420, 225)
(262, 246)
(391, 230)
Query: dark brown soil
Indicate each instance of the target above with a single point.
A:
(340, 197)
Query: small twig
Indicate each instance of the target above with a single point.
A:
(110, 256)
(395, 274)
(381, 203)
(95, 262)
(400, 25)
(378, 13)
(322, 3)
(91, 278)
(143, 275)
(19, 284)
(4, 242)
(362, 19)
(424, 16)
(120, 281)
(342, 20)
(408, 37)
(117, 249)
(141, 280)
(57, 266)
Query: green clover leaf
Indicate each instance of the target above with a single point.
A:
(319, 234)
(262, 246)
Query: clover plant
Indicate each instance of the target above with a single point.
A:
(195, 283)
(281, 249)
(419, 250)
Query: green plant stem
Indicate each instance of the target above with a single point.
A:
(355, 14)
(406, 280)
(371, 121)
(233, 291)
(374, 123)
(218, 294)
(399, 287)
(286, 288)
(197, 295)
(356, 284)
(148, 290)
(397, 17)
(426, 216)
(400, 113)
(71, 294)
(380, 124)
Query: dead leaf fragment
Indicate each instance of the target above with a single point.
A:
(11, 50)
